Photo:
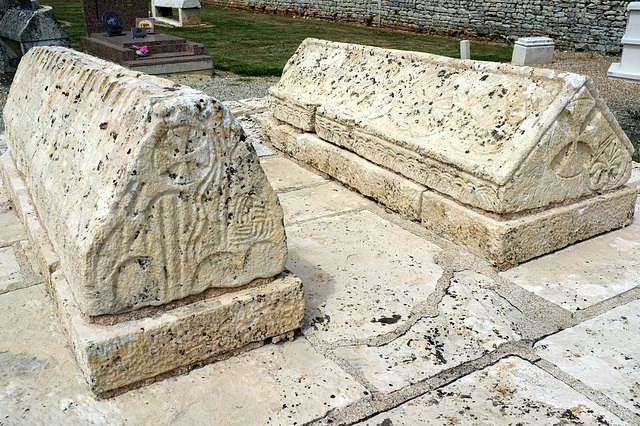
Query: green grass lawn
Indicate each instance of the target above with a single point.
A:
(256, 44)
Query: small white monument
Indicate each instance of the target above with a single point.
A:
(629, 67)
(188, 12)
(533, 51)
(465, 49)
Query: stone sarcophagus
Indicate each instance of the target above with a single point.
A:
(154, 202)
(509, 162)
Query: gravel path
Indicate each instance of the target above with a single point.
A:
(622, 97)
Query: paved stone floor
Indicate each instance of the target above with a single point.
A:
(402, 328)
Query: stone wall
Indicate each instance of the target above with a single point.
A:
(576, 24)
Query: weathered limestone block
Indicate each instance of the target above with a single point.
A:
(509, 162)
(500, 138)
(148, 190)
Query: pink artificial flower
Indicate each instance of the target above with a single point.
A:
(143, 49)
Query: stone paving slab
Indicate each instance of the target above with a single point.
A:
(586, 273)
(603, 353)
(471, 320)
(10, 274)
(285, 175)
(319, 201)
(286, 384)
(512, 392)
(10, 226)
(363, 275)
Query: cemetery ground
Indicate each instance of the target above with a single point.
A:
(402, 327)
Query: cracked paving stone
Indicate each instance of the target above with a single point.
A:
(40, 382)
(284, 384)
(360, 279)
(603, 353)
(511, 392)
(473, 320)
(586, 273)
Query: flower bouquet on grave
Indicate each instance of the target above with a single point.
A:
(141, 50)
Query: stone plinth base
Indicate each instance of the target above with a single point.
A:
(616, 71)
(532, 51)
(135, 351)
(504, 240)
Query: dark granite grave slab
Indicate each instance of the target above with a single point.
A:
(166, 53)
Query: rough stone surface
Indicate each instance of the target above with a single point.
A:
(497, 137)
(398, 193)
(168, 201)
(25, 27)
(471, 320)
(306, 382)
(357, 284)
(509, 242)
(592, 353)
(33, 28)
(586, 273)
(132, 351)
(511, 392)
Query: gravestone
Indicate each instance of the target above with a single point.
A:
(166, 54)
(509, 162)
(23, 25)
(127, 10)
(168, 242)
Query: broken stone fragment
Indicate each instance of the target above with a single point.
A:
(148, 190)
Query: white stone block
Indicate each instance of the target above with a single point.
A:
(465, 49)
(533, 51)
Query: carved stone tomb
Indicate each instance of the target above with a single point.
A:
(509, 162)
(168, 243)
